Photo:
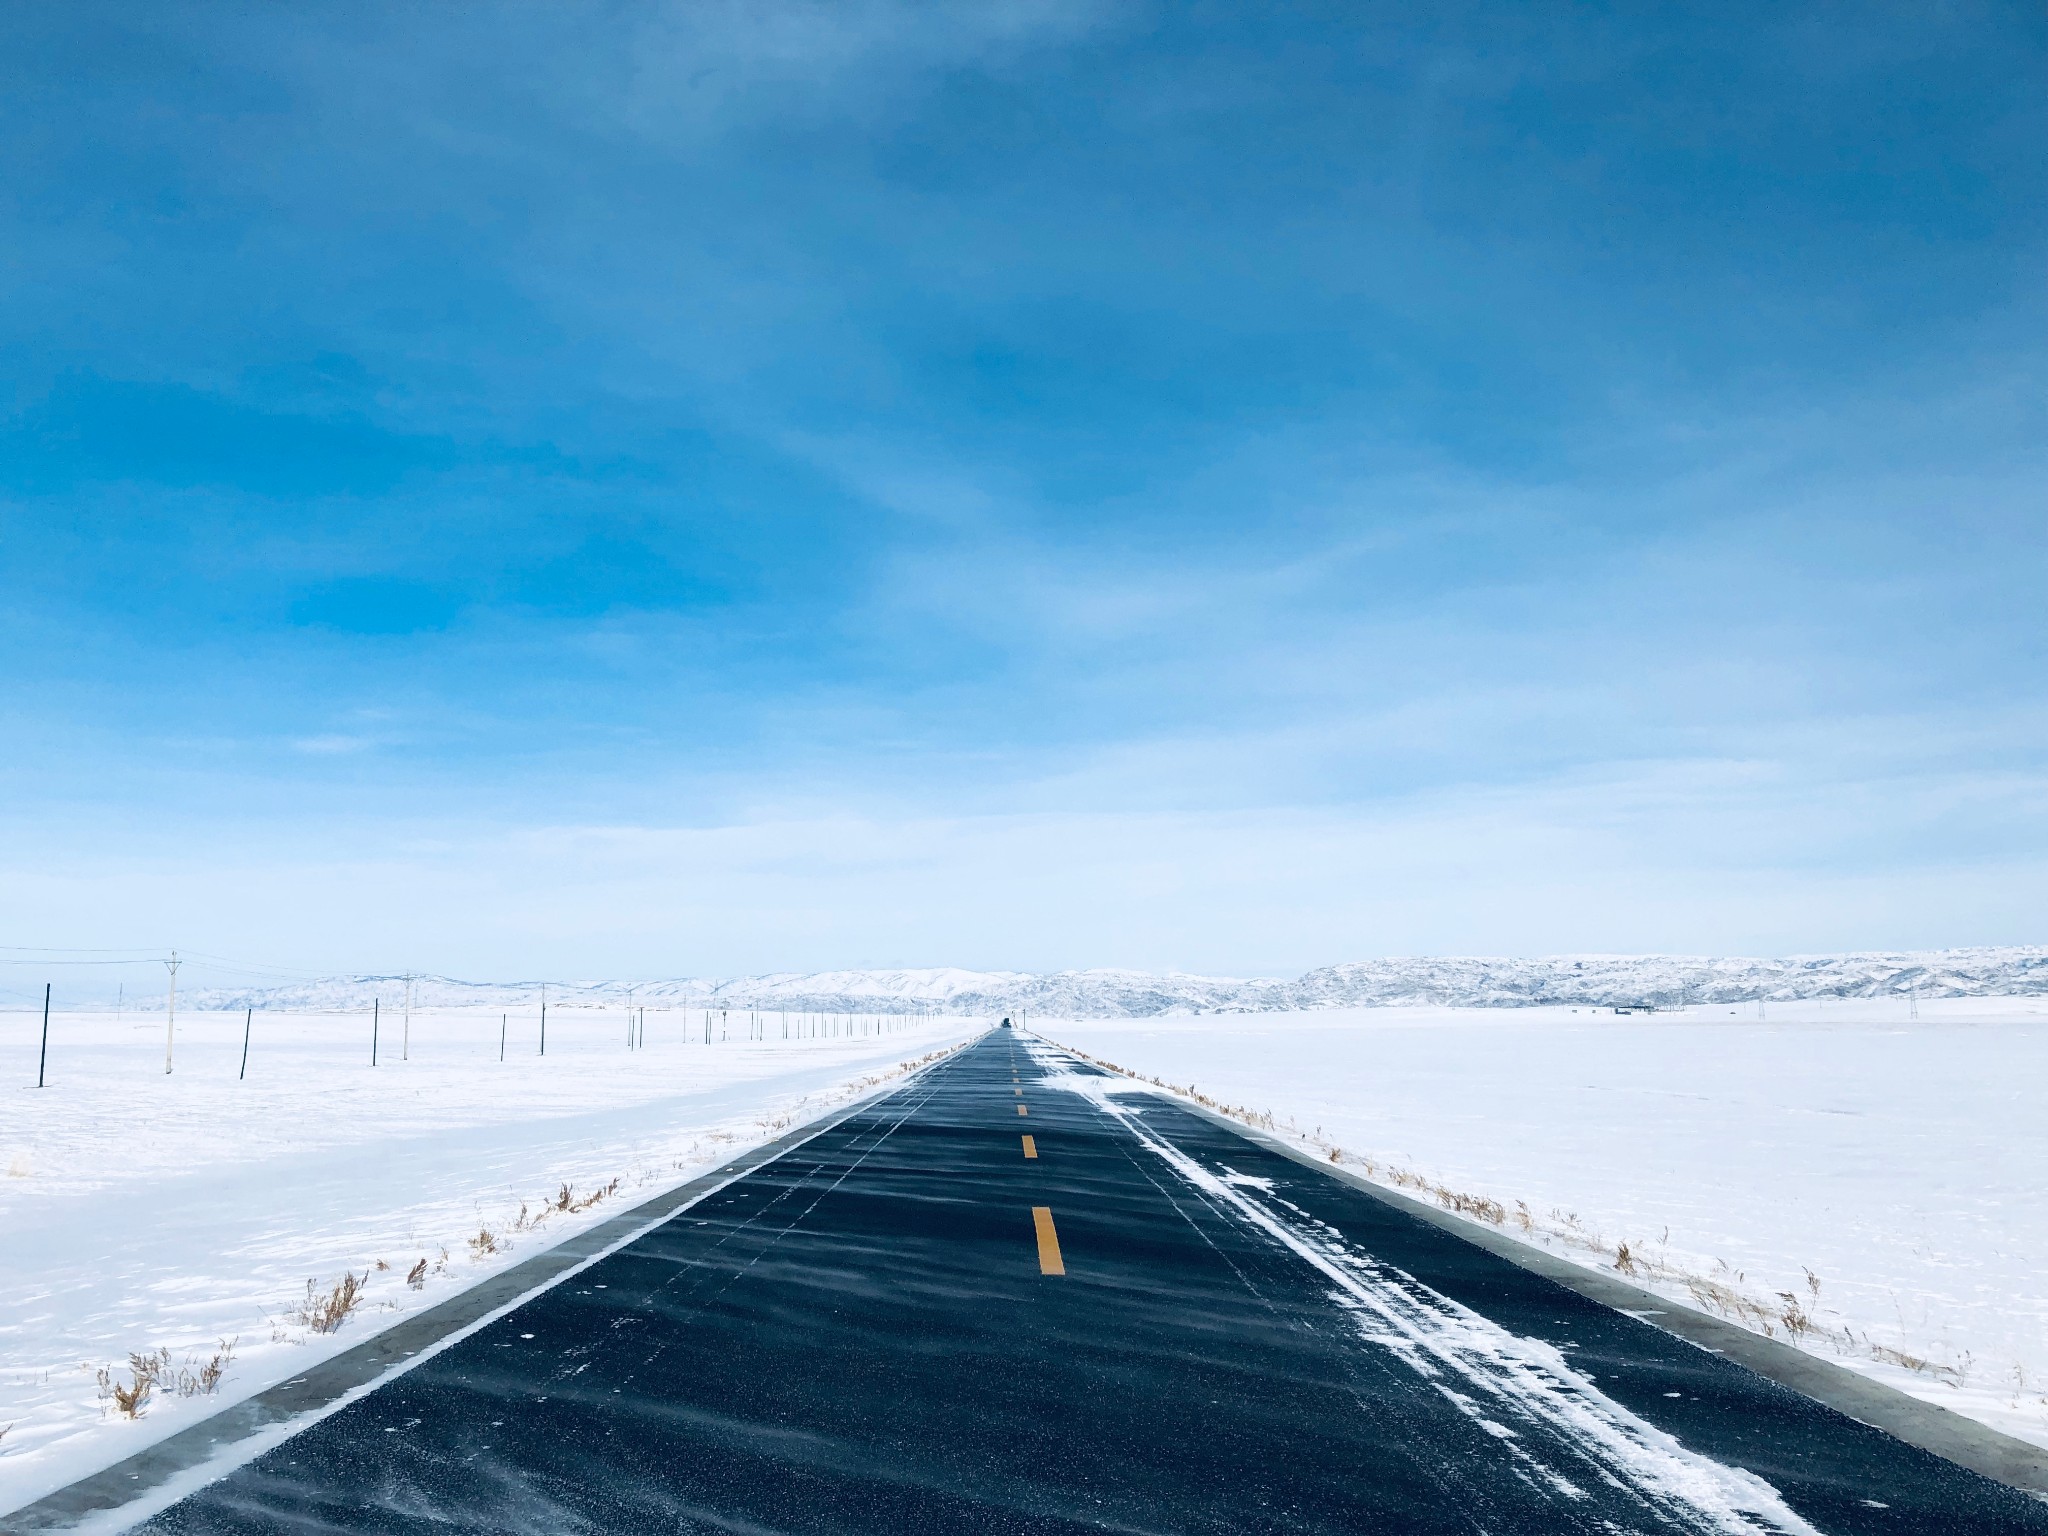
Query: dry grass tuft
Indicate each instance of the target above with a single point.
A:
(1485, 1207)
(566, 1198)
(416, 1277)
(1794, 1317)
(324, 1314)
(1892, 1356)
(208, 1374)
(483, 1244)
(1732, 1303)
(144, 1371)
(151, 1372)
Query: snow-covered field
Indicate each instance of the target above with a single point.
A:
(143, 1212)
(1867, 1184)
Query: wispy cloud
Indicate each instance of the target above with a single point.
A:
(331, 746)
(1298, 483)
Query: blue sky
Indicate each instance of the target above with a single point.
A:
(652, 489)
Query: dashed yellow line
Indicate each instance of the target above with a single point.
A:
(1022, 1110)
(1030, 1147)
(1049, 1262)
(1020, 1093)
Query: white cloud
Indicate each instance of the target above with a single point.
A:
(331, 746)
(1712, 855)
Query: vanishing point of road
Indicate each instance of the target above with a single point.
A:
(1018, 1295)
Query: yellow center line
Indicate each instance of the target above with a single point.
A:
(1049, 1262)
(1022, 1110)
(1030, 1147)
(1020, 1093)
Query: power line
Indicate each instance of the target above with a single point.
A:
(58, 949)
(138, 960)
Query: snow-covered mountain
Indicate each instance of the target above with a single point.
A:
(1596, 980)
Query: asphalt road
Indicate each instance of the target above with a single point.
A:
(911, 1324)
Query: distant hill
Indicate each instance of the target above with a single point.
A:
(1597, 980)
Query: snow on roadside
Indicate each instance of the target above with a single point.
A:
(1842, 1175)
(153, 1215)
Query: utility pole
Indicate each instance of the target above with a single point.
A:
(43, 1056)
(504, 1021)
(543, 1018)
(171, 1012)
(376, 1012)
(248, 1019)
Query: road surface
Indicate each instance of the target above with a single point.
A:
(1021, 1296)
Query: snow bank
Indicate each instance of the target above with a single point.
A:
(1841, 1174)
(146, 1213)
